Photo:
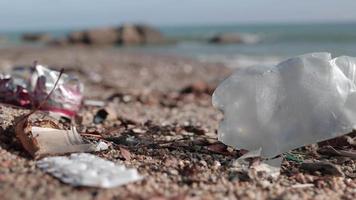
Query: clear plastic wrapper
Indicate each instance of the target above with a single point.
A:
(300, 101)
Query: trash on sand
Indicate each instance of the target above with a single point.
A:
(107, 113)
(83, 169)
(331, 151)
(28, 87)
(300, 101)
(44, 137)
(299, 186)
(323, 167)
(255, 171)
(96, 103)
(101, 146)
(50, 140)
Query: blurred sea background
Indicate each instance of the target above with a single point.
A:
(264, 43)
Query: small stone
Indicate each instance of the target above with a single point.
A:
(216, 165)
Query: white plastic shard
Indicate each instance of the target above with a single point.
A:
(300, 101)
(82, 169)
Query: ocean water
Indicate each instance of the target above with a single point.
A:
(268, 43)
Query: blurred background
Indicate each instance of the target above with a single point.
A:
(233, 32)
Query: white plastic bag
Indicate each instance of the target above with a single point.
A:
(300, 101)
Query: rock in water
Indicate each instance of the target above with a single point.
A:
(227, 38)
(129, 35)
(101, 36)
(150, 35)
(300, 101)
(36, 37)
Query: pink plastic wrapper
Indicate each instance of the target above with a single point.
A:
(28, 87)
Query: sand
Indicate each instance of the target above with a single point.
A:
(164, 104)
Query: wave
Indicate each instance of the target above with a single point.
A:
(240, 60)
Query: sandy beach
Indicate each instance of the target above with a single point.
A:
(164, 104)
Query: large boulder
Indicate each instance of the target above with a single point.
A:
(76, 37)
(227, 38)
(101, 36)
(128, 35)
(36, 37)
(150, 35)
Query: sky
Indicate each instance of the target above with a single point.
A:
(67, 14)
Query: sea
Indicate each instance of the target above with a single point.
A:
(266, 44)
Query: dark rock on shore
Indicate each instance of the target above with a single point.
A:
(150, 35)
(101, 36)
(75, 37)
(226, 38)
(127, 34)
(36, 37)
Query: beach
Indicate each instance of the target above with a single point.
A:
(163, 104)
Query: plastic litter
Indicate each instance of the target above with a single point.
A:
(96, 103)
(27, 87)
(49, 140)
(300, 101)
(107, 113)
(88, 170)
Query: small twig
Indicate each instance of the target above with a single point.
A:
(92, 135)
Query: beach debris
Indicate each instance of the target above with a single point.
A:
(300, 101)
(300, 186)
(293, 157)
(220, 148)
(125, 153)
(50, 140)
(331, 151)
(101, 146)
(103, 114)
(44, 137)
(250, 168)
(82, 169)
(95, 103)
(323, 167)
(29, 86)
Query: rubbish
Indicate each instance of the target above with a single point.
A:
(323, 167)
(96, 103)
(300, 101)
(331, 151)
(27, 87)
(66, 98)
(300, 186)
(83, 169)
(125, 153)
(101, 146)
(106, 113)
(293, 157)
(247, 171)
(100, 116)
(50, 140)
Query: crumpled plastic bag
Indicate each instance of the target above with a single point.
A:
(28, 87)
(300, 101)
(66, 98)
